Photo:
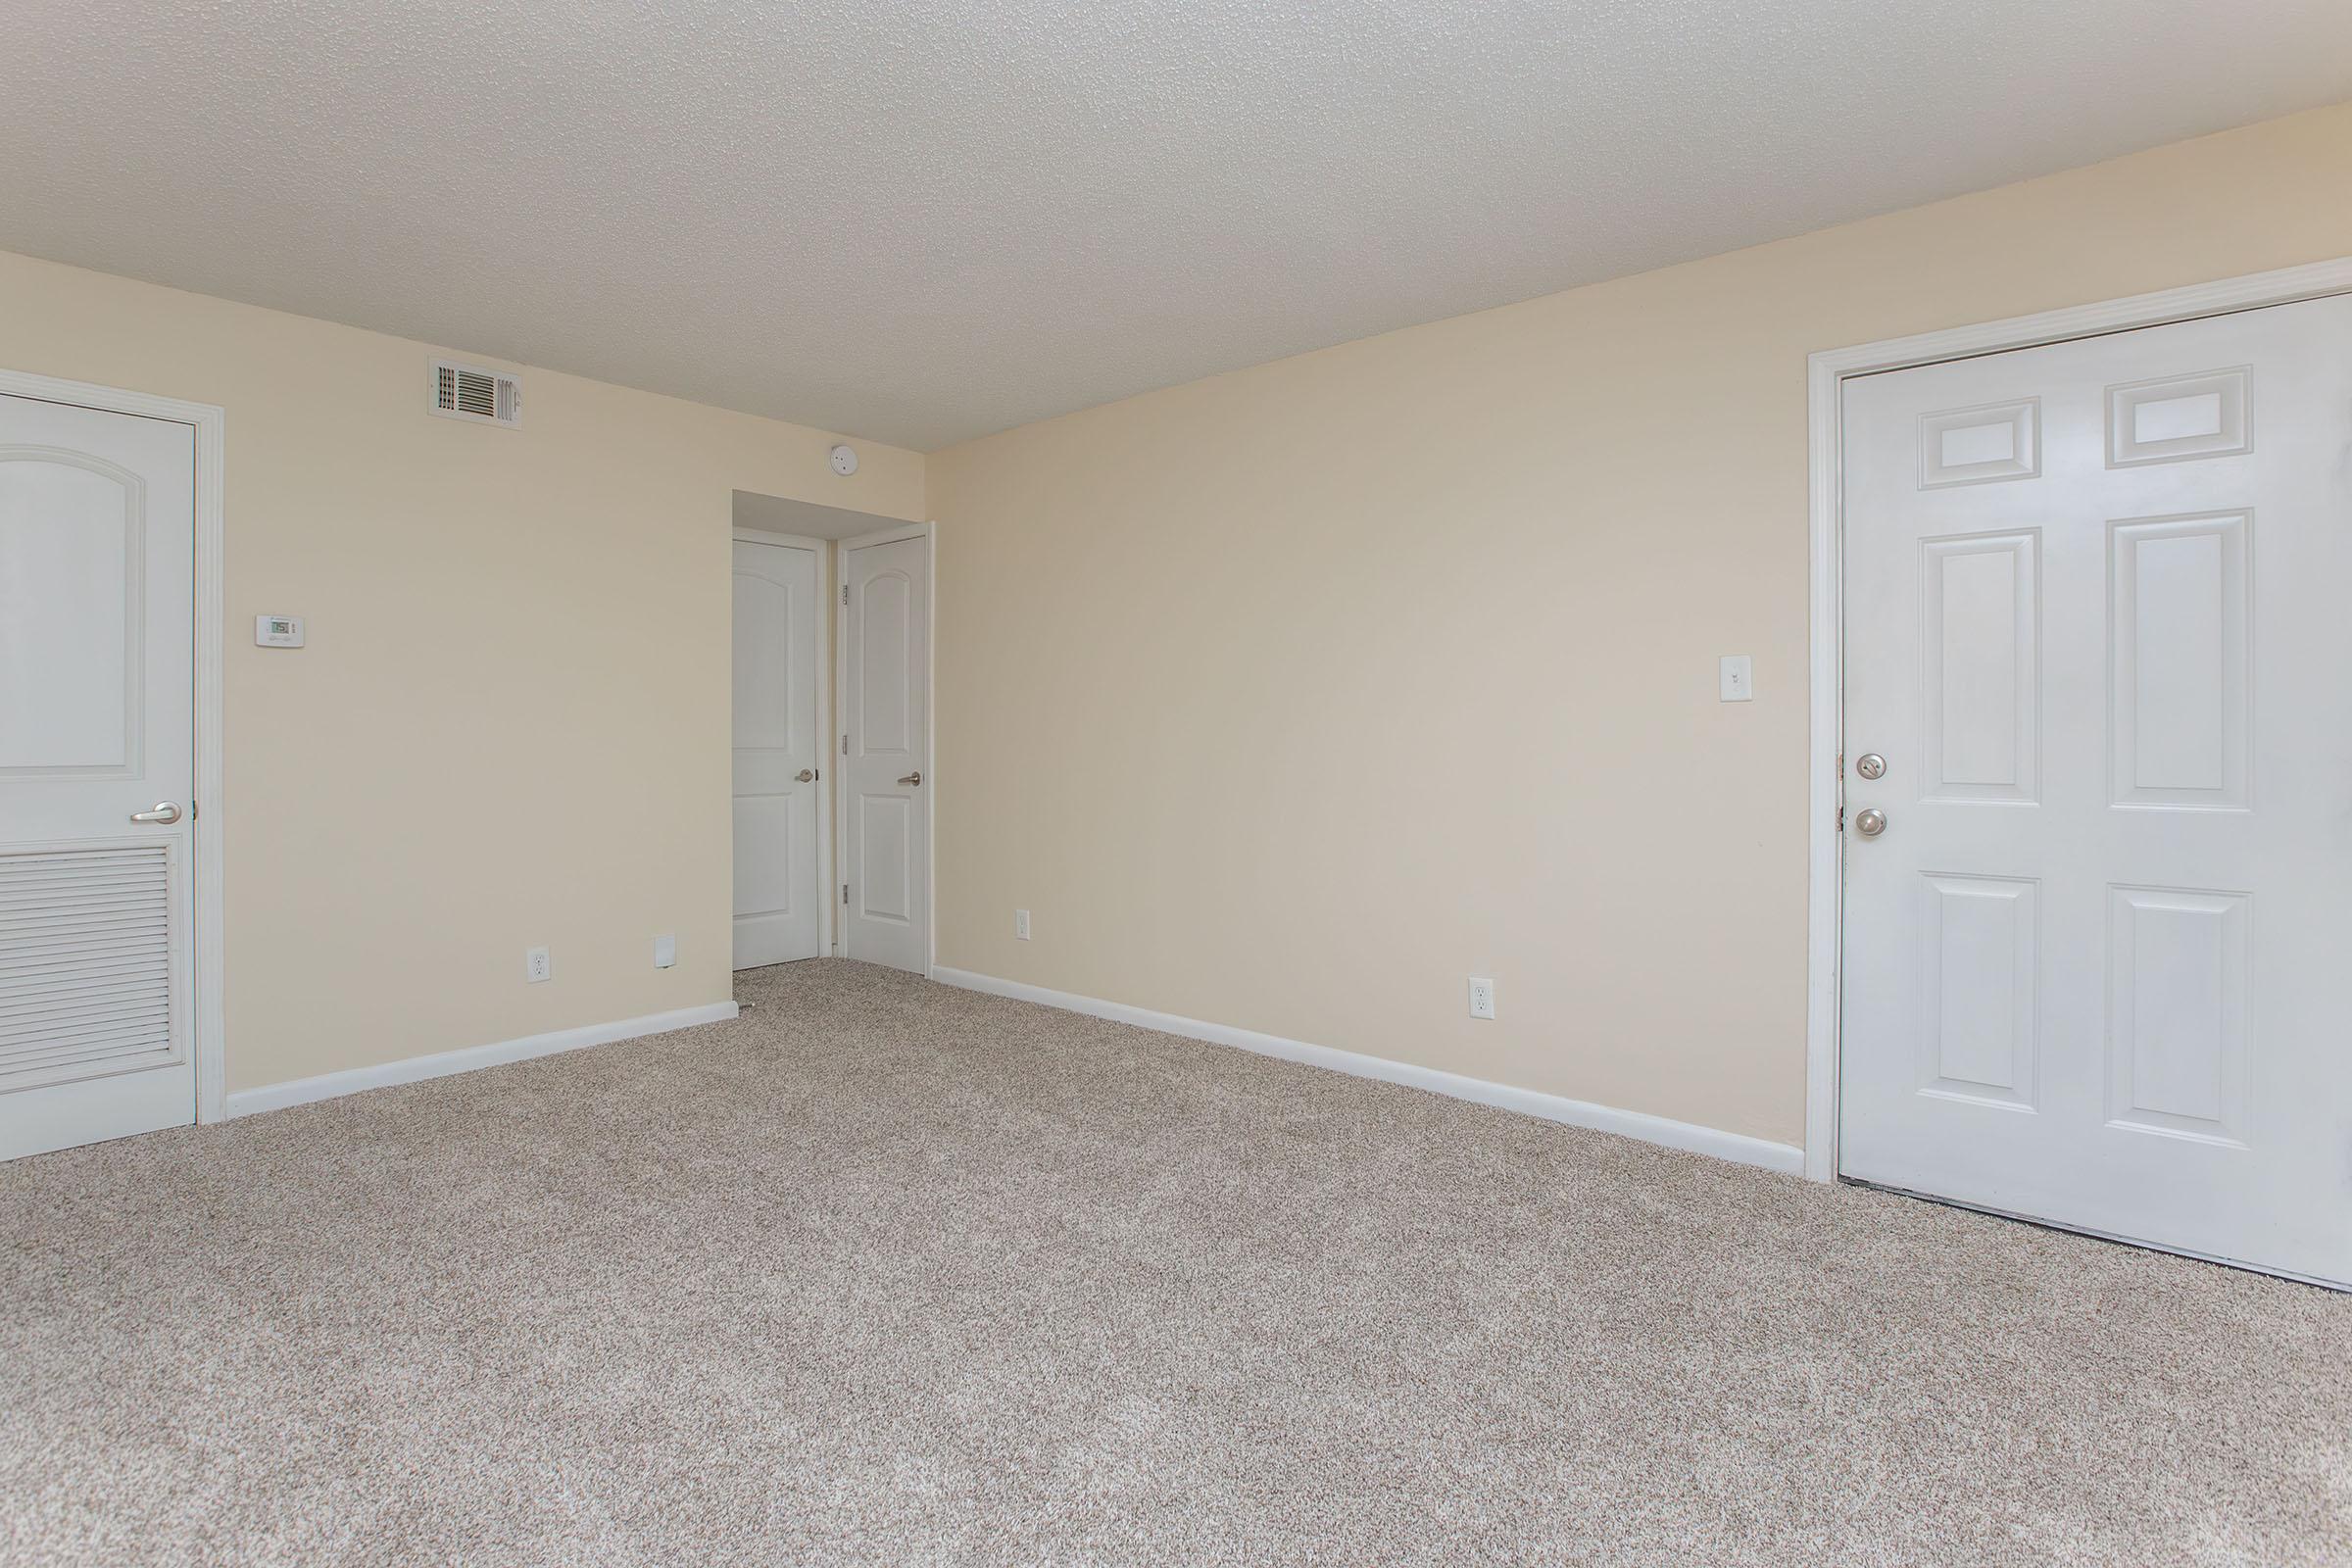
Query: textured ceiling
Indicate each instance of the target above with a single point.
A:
(918, 223)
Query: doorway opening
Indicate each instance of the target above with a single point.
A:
(832, 770)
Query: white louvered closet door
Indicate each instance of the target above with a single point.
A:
(97, 611)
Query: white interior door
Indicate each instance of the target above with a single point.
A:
(886, 729)
(779, 888)
(97, 715)
(2094, 962)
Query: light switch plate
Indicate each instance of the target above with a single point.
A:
(278, 631)
(665, 952)
(1738, 685)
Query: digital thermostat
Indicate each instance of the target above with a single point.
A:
(278, 631)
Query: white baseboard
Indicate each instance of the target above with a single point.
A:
(1736, 1146)
(411, 1069)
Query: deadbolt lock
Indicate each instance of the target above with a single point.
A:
(1870, 765)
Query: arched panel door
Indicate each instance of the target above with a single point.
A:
(97, 774)
(886, 731)
(778, 754)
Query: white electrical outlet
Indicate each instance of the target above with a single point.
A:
(665, 952)
(1021, 925)
(1738, 682)
(1482, 997)
(537, 966)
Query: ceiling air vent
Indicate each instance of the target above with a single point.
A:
(469, 392)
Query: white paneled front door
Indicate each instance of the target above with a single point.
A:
(2099, 896)
(97, 768)
(886, 725)
(778, 754)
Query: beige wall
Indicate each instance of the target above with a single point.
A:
(1289, 698)
(510, 724)
(1284, 700)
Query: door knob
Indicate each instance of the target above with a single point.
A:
(1870, 765)
(165, 812)
(806, 776)
(912, 778)
(1871, 823)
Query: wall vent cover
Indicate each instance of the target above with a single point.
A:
(469, 392)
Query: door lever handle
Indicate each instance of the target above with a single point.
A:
(912, 778)
(165, 812)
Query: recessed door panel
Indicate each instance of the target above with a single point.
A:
(1977, 1004)
(765, 868)
(1974, 445)
(883, 721)
(767, 697)
(1981, 652)
(2178, 418)
(2177, 1037)
(885, 887)
(2182, 706)
(72, 561)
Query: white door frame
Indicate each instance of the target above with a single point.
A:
(928, 532)
(1825, 892)
(208, 808)
(825, 727)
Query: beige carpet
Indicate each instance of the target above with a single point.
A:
(886, 1273)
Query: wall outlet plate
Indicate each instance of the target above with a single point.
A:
(1482, 997)
(1738, 680)
(1021, 925)
(666, 951)
(537, 966)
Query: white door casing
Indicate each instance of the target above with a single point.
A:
(779, 756)
(97, 723)
(886, 728)
(2091, 969)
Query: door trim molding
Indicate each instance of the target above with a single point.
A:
(1739, 1148)
(210, 422)
(928, 532)
(825, 727)
(1826, 372)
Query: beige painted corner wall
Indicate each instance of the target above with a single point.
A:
(510, 724)
(1290, 698)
